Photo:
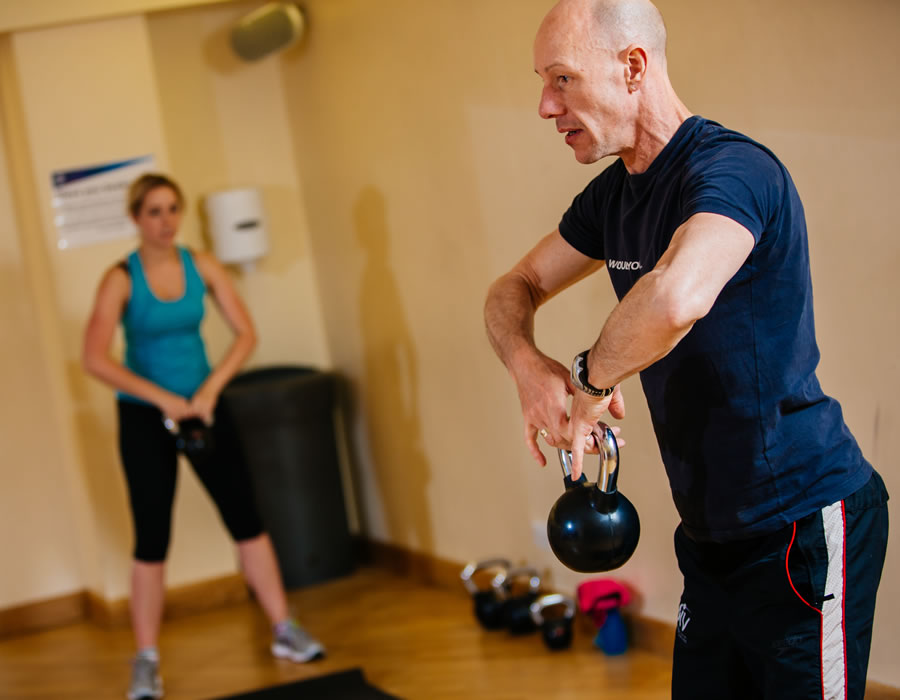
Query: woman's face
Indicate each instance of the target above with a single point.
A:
(159, 216)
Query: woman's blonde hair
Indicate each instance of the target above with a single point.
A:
(141, 187)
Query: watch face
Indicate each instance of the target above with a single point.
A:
(580, 369)
(580, 377)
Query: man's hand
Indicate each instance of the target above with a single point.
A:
(586, 412)
(544, 387)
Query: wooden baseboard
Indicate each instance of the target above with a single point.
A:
(181, 601)
(650, 634)
(105, 612)
(43, 614)
(877, 691)
(87, 605)
(424, 568)
(206, 595)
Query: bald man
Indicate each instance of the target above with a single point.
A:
(783, 521)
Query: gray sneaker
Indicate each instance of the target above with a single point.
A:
(291, 641)
(145, 680)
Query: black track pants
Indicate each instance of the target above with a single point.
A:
(787, 615)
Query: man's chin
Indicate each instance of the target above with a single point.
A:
(586, 158)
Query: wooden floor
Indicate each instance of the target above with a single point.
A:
(413, 641)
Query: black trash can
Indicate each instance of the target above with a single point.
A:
(285, 420)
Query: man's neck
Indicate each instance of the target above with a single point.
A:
(654, 129)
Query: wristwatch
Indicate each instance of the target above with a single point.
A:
(580, 377)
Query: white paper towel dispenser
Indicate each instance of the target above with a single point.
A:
(237, 225)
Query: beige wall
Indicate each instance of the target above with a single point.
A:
(16, 15)
(404, 167)
(433, 173)
(38, 498)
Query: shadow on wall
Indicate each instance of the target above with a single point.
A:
(391, 385)
(98, 444)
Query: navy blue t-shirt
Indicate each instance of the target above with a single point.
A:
(749, 440)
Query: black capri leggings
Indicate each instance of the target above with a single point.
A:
(150, 461)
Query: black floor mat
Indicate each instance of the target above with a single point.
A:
(343, 685)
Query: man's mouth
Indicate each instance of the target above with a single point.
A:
(571, 134)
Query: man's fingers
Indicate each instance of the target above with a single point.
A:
(577, 456)
(617, 404)
(617, 431)
(531, 443)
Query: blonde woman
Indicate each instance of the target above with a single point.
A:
(157, 294)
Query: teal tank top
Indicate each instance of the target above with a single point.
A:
(162, 338)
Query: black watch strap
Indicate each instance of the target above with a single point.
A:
(580, 377)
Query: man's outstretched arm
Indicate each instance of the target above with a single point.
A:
(660, 309)
(543, 383)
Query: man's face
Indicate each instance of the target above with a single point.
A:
(584, 87)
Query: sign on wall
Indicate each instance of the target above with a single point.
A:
(89, 202)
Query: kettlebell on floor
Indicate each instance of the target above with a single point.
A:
(518, 591)
(556, 625)
(486, 603)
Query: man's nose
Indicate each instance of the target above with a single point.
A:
(550, 105)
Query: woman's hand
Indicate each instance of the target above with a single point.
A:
(203, 404)
(175, 408)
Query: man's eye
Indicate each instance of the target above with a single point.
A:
(563, 79)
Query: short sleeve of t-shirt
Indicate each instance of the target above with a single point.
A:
(739, 180)
(581, 225)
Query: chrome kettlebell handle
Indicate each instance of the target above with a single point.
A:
(502, 582)
(609, 459)
(499, 565)
(549, 600)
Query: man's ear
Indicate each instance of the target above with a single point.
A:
(635, 66)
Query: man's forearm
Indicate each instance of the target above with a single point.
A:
(509, 318)
(662, 307)
(641, 329)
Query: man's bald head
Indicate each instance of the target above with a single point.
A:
(605, 81)
(615, 24)
(626, 22)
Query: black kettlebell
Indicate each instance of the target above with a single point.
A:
(193, 437)
(556, 630)
(487, 605)
(517, 599)
(592, 527)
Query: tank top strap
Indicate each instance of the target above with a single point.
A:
(140, 290)
(193, 280)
